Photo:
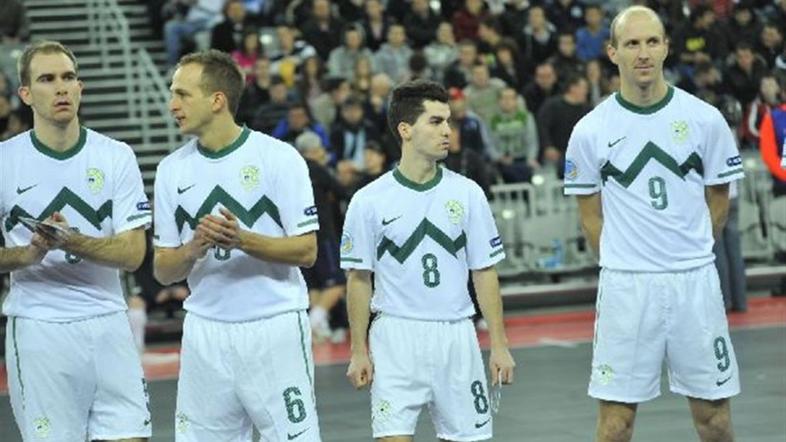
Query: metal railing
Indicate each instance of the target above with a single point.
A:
(108, 25)
(152, 96)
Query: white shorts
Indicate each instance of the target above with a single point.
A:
(71, 381)
(432, 363)
(644, 319)
(236, 375)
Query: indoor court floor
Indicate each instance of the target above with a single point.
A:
(548, 402)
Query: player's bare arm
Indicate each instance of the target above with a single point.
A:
(15, 258)
(501, 364)
(360, 371)
(125, 250)
(225, 232)
(173, 264)
(718, 201)
(591, 215)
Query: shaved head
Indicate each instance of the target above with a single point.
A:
(622, 17)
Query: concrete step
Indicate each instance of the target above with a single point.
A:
(47, 13)
(43, 4)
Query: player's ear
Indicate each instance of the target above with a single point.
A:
(611, 51)
(219, 100)
(404, 130)
(24, 95)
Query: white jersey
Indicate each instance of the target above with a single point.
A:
(265, 184)
(651, 166)
(97, 186)
(420, 240)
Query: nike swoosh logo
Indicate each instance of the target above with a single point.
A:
(21, 190)
(184, 189)
(479, 425)
(385, 222)
(723, 381)
(296, 435)
(614, 143)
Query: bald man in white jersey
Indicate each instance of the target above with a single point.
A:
(651, 166)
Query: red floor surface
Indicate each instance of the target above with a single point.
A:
(523, 330)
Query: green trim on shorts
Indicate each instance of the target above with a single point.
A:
(16, 356)
(303, 349)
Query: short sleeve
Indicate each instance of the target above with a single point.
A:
(296, 204)
(484, 245)
(165, 233)
(357, 239)
(721, 159)
(130, 206)
(582, 173)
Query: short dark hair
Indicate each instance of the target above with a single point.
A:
(41, 47)
(220, 73)
(406, 104)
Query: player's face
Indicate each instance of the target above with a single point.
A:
(430, 134)
(641, 50)
(55, 91)
(190, 107)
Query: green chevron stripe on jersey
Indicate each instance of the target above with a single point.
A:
(219, 196)
(425, 228)
(651, 151)
(64, 198)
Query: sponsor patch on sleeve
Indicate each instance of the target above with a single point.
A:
(144, 205)
(310, 211)
(571, 171)
(734, 161)
(495, 242)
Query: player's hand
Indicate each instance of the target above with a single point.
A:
(360, 371)
(198, 246)
(36, 250)
(223, 231)
(501, 365)
(54, 232)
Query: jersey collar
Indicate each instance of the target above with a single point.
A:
(428, 185)
(646, 110)
(226, 150)
(56, 154)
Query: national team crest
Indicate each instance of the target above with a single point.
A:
(455, 211)
(679, 131)
(181, 422)
(605, 374)
(381, 411)
(249, 177)
(42, 427)
(95, 180)
(346, 243)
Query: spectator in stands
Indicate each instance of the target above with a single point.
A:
(309, 81)
(14, 24)
(567, 15)
(322, 30)
(256, 93)
(474, 133)
(770, 43)
(770, 95)
(325, 107)
(375, 165)
(466, 161)
(361, 83)
(565, 61)
(744, 26)
(267, 115)
(538, 39)
(228, 36)
(419, 68)
(515, 135)
(351, 132)
(556, 120)
(542, 87)
(18, 121)
(509, 66)
(514, 17)
(421, 24)
(393, 57)
(599, 87)
(182, 28)
(772, 142)
(467, 19)
(376, 106)
(375, 24)
(482, 94)
(742, 78)
(591, 38)
(459, 73)
(341, 62)
(325, 280)
(490, 34)
(442, 52)
(298, 121)
(291, 52)
(247, 55)
(5, 113)
(700, 41)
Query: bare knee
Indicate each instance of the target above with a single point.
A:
(712, 420)
(615, 422)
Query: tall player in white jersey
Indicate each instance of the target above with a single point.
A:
(420, 230)
(651, 166)
(234, 213)
(73, 370)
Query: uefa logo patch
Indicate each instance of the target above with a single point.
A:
(571, 171)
